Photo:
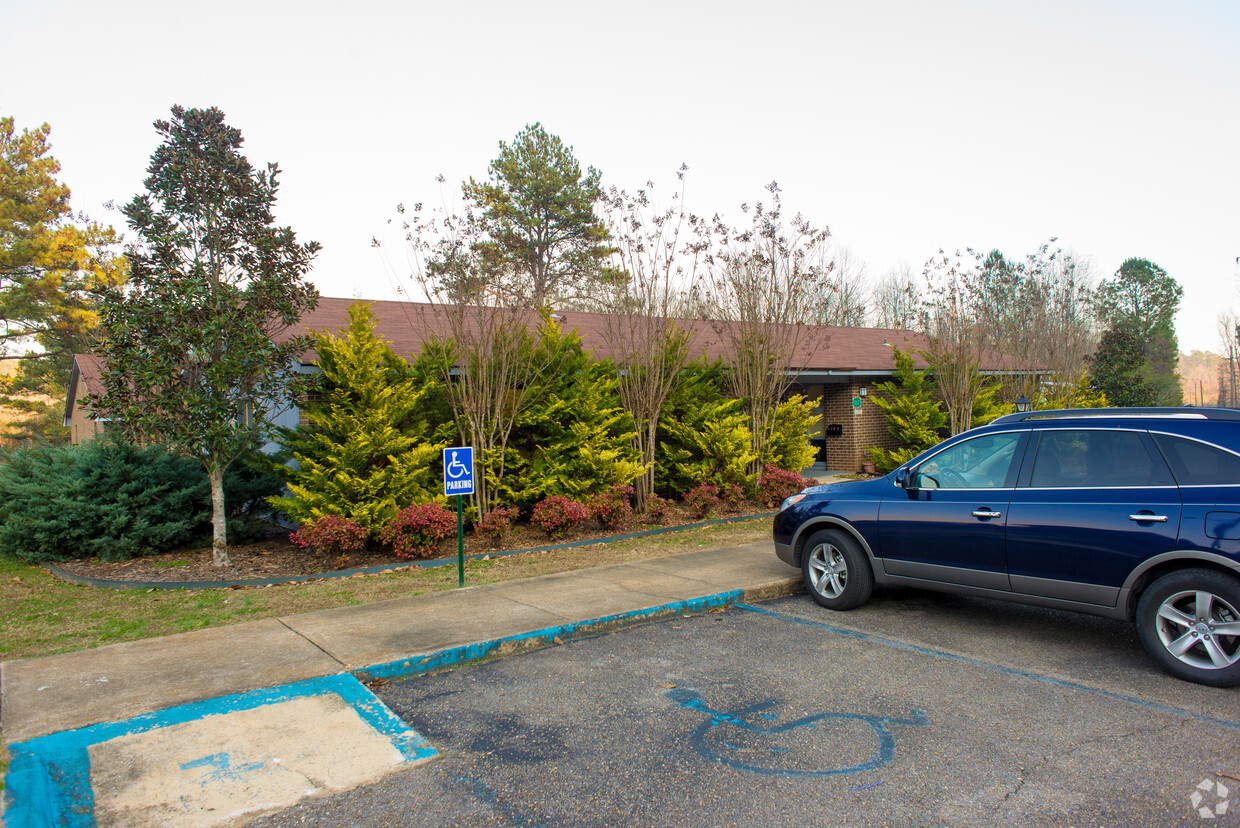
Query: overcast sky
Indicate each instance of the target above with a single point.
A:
(904, 126)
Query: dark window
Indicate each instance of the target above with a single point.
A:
(1199, 464)
(1088, 459)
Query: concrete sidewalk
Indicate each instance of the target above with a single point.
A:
(404, 636)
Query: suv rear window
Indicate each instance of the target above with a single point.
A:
(1199, 464)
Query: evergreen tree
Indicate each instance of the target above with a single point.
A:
(575, 440)
(50, 261)
(538, 212)
(365, 454)
(703, 435)
(1117, 369)
(914, 418)
(789, 447)
(986, 405)
(1135, 364)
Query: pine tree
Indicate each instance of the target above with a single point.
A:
(365, 454)
(914, 417)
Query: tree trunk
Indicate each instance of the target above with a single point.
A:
(219, 523)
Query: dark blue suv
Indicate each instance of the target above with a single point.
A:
(1125, 513)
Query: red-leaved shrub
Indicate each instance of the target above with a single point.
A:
(497, 524)
(612, 508)
(418, 530)
(703, 499)
(331, 534)
(657, 508)
(777, 484)
(557, 514)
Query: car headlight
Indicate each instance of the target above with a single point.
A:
(788, 501)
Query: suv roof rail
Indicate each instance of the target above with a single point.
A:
(1186, 412)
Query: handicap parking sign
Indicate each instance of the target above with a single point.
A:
(458, 470)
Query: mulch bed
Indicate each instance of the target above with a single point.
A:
(277, 557)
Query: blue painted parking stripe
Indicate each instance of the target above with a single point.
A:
(48, 782)
(998, 668)
(456, 656)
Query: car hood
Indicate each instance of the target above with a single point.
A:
(872, 487)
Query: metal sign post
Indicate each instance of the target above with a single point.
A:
(458, 480)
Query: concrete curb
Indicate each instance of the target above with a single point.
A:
(452, 657)
(105, 583)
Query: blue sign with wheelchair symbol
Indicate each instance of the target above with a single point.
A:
(458, 471)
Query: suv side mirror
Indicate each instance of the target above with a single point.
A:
(902, 477)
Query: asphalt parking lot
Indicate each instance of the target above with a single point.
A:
(917, 709)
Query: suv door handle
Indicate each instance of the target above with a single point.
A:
(1148, 518)
(984, 513)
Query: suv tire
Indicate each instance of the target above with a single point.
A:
(1192, 642)
(835, 570)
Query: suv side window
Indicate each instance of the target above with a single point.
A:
(1070, 459)
(980, 463)
(1199, 464)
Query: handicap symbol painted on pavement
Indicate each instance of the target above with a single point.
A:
(221, 768)
(706, 735)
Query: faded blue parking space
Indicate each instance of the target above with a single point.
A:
(211, 762)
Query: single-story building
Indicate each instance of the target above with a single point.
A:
(840, 370)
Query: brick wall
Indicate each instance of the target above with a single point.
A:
(862, 427)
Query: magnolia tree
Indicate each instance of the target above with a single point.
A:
(192, 345)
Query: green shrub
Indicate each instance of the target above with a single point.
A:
(113, 501)
(914, 417)
(789, 446)
(576, 440)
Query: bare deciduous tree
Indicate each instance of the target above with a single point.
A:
(844, 302)
(1229, 369)
(957, 340)
(1036, 311)
(486, 351)
(896, 299)
(658, 254)
(764, 280)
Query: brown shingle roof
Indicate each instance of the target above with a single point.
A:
(406, 325)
